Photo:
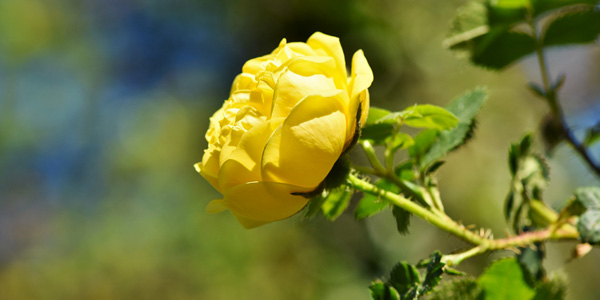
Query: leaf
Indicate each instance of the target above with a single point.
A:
(589, 222)
(434, 273)
(576, 26)
(402, 219)
(465, 288)
(542, 6)
(534, 87)
(465, 108)
(500, 48)
(554, 289)
(400, 141)
(336, 203)
(314, 206)
(423, 141)
(496, 33)
(592, 135)
(377, 133)
(375, 114)
(429, 116)
(381, 291)
(531, 261)
(505, 280)
(403, 277)
(371, 204)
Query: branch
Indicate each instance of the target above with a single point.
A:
(556, 109)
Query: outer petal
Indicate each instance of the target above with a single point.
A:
(362, 75)
(302, 151)
(256, 203)
(291, 88)
(331, 46)
(243, 165)
(209, 167)
(361, 79)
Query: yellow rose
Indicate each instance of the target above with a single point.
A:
(290, 116)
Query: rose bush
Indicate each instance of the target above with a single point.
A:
(289, 117)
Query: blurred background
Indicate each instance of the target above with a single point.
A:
(103, 109)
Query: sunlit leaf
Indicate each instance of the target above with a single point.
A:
(375, 114)
(465, 108)
(429, 116)
(371, 204)
(336, 203)
(377, 133)
(505, 280)
(400, 141)
(314, 206)
(423, 141)
(381, 291)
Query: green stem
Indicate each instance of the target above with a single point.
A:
(370, 152)
(483, 245)
(524, 239)
(441, 221)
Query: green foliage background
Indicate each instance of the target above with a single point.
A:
(146, 235)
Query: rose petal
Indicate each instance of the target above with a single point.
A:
(361, 79)
(243, 165)
(262, 202)
(332, 47)
(302, 151)
(291, 88)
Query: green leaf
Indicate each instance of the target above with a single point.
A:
(371, 204)
(423, 141)
(553, 289)
(378, 134)
(500, 48)
(465, 288)
(465, 108)
(375, 114)
(429, 116)
(381, 291)
(336, 203)
(368, 206)
(402, 219)
(592, 135)
(577, 26)
(400, 141)
(505, 280)
(314, 206)
(531, 261)
(496, 33)
(589, 222)
(403, 277)
(542, 6)
(471, 21)
(434, 273)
